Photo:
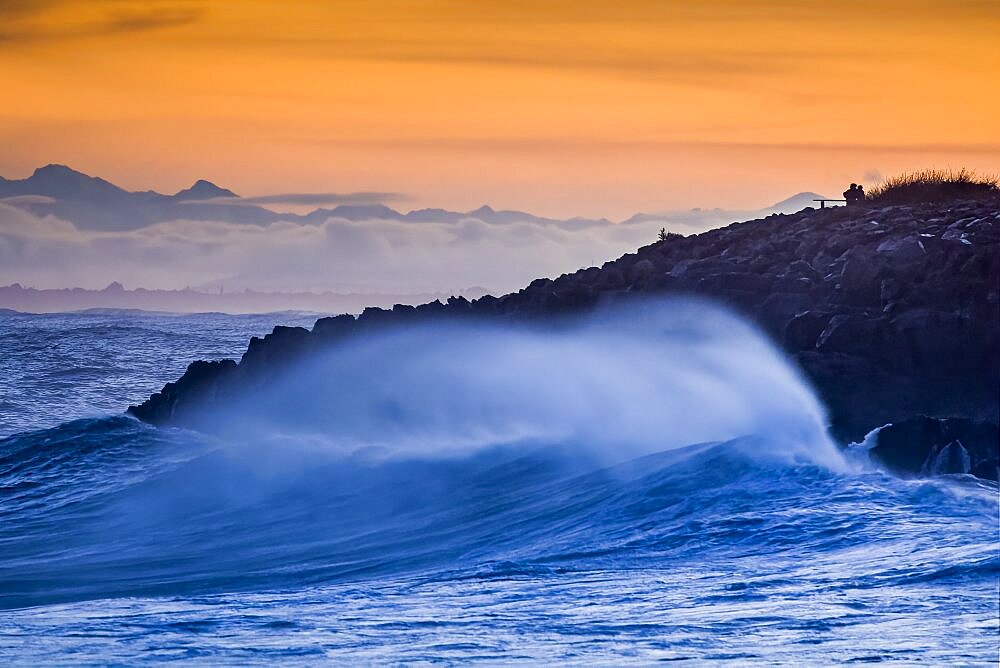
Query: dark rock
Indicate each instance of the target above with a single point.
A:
(803, 331)
(933, 446)
(804, 269)
(373, 315)
(905, 249)
(198, 387)
(859, 277)
(336, 326)
(459, 303)
(641, 269)
(843, 332)
(679, 269)
(890, 289)
(431, 308)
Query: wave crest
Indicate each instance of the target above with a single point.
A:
(626, 381)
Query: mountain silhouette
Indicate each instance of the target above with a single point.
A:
(61, 182)
(96, 204)
(795, 203)
(93, 203)
(203, 189)
(704, 218)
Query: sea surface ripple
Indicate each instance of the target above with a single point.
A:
(123, 543)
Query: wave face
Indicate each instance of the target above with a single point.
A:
(496, 493)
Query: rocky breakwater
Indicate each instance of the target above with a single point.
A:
(891, 312)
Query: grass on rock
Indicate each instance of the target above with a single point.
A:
(933, 185)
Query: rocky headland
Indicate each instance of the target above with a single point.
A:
(892, 313)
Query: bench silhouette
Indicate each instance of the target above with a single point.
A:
(823, 201)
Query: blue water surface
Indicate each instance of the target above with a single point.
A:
(124, 543)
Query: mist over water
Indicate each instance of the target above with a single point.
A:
(626, 381)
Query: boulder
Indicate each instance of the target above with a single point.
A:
(859, 277)
(847, 333)
(923, 446)
(906, 249)
(641, 270)
(803, 331)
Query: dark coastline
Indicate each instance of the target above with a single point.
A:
(891, 313)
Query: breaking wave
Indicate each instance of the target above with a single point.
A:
(665, 439)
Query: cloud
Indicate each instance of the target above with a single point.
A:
(657, 62)
(41, 20)
(382, 255)
(715, 42)
(550, 144)
(320, 199)
(13, 9)
(149, 19)
(21, 200)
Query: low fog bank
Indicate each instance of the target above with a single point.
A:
(60, 228)
(627, 381)
(367, 255)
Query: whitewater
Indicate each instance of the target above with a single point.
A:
(618, 488)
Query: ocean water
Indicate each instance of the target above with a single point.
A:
(592, 495)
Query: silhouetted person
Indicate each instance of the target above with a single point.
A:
(861, 195)
(853, 195)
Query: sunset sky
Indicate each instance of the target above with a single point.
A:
(565, 108)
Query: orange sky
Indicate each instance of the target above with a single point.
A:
(583, 107)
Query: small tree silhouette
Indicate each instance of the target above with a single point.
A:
(663, 234)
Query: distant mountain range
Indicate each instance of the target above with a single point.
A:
(93, 203)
